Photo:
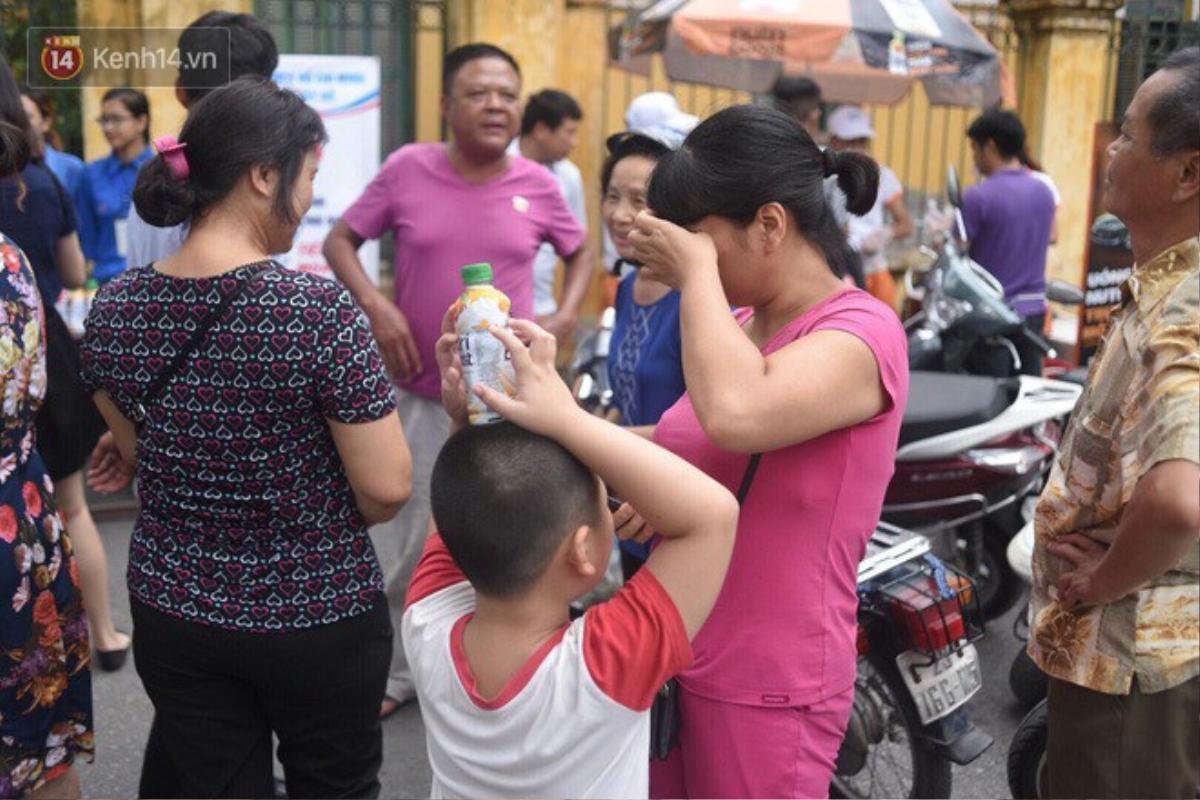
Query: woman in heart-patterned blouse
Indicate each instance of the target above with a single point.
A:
(262, 455)
(247, 519)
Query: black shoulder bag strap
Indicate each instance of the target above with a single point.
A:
(164, 377)
(748, 478)
(664, 713)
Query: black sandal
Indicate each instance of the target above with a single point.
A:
(112, 660)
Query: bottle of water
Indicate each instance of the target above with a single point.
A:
(485, 359)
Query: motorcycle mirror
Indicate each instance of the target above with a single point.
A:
(953, 188)
(1059, 291)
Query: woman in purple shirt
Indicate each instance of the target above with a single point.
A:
(257, 600)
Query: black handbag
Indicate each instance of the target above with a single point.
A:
(664, 713)
(68, 423)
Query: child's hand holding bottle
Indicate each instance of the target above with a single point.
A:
(543, 403)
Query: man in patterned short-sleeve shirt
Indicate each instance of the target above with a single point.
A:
(1117, 561)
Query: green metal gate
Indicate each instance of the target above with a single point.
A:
(383, 28)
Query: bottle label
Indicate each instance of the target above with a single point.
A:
(485, 360)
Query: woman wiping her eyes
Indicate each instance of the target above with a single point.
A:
(812, 375)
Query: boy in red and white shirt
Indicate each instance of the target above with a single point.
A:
(517, 700)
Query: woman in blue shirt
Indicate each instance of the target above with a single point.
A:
(107, 185)
(645, 366)
(645, 361)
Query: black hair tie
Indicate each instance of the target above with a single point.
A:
(829, 159)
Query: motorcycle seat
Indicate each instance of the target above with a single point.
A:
(939, 403)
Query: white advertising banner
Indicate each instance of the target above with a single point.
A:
(344, 90)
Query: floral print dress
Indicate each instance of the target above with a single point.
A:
(45, 679)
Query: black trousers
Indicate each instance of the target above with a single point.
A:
(219, 695)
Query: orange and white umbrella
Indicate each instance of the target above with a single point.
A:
(864, 51)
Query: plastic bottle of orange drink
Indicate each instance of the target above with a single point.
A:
(484, 357)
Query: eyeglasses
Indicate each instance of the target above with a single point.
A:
(105, 122)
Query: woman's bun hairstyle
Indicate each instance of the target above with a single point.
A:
(162, 199)
(247, 123)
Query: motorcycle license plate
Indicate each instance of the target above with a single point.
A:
(940, 687)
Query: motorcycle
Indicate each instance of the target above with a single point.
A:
(975, 448)
(588, 373)
(974, 454)
(1026, 763)
(1025, 679)
(917, 669)
(964, 324)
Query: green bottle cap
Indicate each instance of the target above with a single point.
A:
(476, 274)
(91, 283)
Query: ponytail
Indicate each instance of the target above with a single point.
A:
(857, 177)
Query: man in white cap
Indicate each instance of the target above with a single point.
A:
(850, 129)
(657, 115)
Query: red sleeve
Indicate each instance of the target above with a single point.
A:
(435, 571)
(635, 642)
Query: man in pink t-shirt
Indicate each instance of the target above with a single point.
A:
(448, 205)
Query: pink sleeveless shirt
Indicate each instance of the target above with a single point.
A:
(783, 629)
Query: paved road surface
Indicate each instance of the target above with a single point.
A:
(123, 713)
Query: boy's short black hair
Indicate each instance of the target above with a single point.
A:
(504, 499)
(459, 57)
(1002, 127)
(549, 107)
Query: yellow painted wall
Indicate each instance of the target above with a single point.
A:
(529, 29)
(1065, 110)
(427, 60)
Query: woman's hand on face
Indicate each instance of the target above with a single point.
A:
(543, 403)
(670, 254)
